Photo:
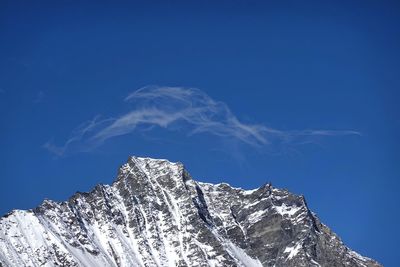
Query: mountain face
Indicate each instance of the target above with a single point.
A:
(155, 214)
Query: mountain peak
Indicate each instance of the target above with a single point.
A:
(151, 161)
(155, 214)
(148, 173)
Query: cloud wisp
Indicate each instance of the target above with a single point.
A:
(188, 109)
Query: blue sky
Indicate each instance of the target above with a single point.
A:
(304, 95)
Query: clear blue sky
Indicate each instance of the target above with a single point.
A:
(292, 67)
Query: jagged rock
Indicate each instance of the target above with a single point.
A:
(155, 214)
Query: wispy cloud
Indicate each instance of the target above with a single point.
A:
(184, 108)
(80, 139)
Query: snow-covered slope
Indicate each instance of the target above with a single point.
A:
(155, 214)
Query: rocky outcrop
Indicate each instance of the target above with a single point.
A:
(155, 214)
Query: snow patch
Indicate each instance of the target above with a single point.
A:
(287, 210)
(242, 256)
(293, 251)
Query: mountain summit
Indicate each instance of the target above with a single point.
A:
(155, 214)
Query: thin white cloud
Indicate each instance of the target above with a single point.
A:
(191, 109)
(78, 140)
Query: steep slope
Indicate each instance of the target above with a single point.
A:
(155, 214)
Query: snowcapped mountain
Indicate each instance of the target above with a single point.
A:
(155, 214)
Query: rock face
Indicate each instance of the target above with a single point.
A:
(155, 214)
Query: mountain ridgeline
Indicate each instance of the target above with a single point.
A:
(155, 214)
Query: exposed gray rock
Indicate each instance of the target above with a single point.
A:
(155, 214)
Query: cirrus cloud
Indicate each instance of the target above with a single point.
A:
(189, 108)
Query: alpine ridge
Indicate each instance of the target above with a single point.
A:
(155, 214)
